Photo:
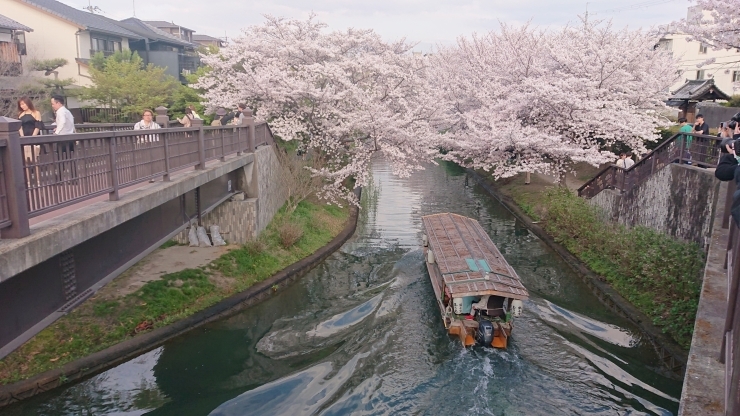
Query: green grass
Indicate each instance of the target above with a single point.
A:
(658, 274)
(105, 320)
(169, 243)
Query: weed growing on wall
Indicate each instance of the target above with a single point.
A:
(658, 274)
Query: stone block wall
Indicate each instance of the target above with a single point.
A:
(271, 194)
(678, 200)
(243, 219)
(235, 218)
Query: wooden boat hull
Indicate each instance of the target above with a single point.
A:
(465, 266)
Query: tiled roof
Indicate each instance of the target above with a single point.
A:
(90, 21)
(150, 32)
(8, 23)
(162, 23)
(698, 89)
(206, 38)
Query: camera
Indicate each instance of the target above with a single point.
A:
(736, 118)
(726, 141)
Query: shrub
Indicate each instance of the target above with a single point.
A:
(658, 274)
(289, 233)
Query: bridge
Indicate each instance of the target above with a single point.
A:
(712, 377)
(77, 210)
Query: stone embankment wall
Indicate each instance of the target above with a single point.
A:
(244, 216)
(678, 200)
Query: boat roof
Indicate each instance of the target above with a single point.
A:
(470, 263)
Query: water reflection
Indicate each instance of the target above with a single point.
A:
(361, 334)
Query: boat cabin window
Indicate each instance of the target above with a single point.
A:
(477, 265)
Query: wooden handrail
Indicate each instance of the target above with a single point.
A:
(649, 158)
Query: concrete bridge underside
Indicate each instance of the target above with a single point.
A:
(69, 257)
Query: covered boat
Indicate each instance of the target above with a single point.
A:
(479, 294)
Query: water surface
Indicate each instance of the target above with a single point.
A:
(361, 334)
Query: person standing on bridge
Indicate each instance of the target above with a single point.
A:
(65, 124)
(30, 117)
(147, 123)
(187, 119)
(65, 121)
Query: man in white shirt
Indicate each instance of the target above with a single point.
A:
(65, 124)
(65, 121)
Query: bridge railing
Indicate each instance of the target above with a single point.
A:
(701, 150)
(730, 353)
(49, 172)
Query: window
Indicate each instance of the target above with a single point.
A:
(700, 74)
(20, 41)
(104, 44)
(735, 76)
(665, 44)
(702, 48)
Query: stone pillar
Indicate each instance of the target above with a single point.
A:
(14, 180)
(249, 123)
(162, 118)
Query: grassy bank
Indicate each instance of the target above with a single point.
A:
(661, 276)
(107, 318)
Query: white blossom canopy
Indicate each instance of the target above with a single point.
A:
(527, 100)
(348, 94)
(520, 99)
(715, 23)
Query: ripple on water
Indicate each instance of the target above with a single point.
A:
(361, 334)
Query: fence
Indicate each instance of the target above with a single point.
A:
(700, 150)
(730, 353)
(49, 172)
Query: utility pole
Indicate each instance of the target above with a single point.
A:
(134, 4)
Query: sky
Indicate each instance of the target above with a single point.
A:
(426, 22)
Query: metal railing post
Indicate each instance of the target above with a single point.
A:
(731, 188)
(113, 195)
(201, 149)
(223, 145)
(249, 122)
(165, 141)
(15, 184)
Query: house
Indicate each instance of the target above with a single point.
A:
(205, 40)
(62, 31)
(698, 61)
(162, 48)
(173, 29)
(693, 92)
(12, 46)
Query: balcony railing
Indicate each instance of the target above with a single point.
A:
(54, 171)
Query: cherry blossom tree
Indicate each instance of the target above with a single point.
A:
(514, 100)
(715, 23)
(347, 94)
(526, 100)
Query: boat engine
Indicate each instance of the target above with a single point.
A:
(484, 335)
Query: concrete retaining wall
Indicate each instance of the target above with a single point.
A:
(270, 194)
(243, 219)
(126, 350)
(678, 200)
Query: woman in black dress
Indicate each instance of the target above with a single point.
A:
(30, 118)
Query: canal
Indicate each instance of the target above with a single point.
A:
(361, 334)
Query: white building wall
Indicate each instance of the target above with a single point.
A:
(51, 38)
(691, 54)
